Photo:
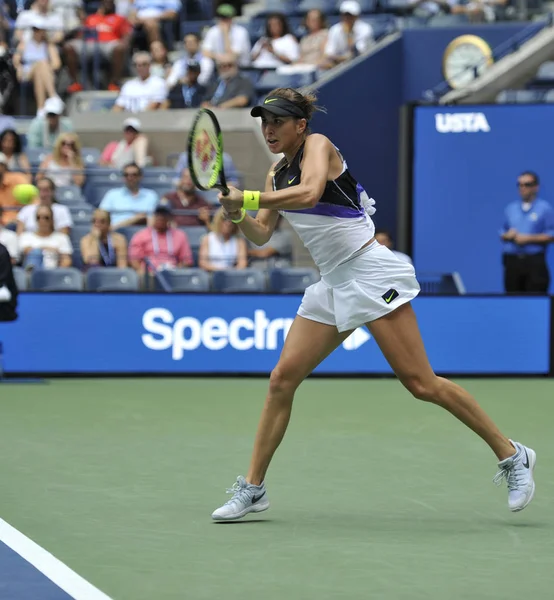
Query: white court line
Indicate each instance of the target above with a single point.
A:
(60, 574)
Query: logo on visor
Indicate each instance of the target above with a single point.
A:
(268, 100)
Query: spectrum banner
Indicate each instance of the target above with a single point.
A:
(186, 333)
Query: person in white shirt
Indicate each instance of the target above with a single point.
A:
(178, 72)
(45, 248)
(27, 216)
(9, 239)
(349, 38)
(53, 22)
(227, 37)
(144, 92)
(278, 47)
(385, 239)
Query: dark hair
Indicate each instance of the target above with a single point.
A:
(194, 34)
(132, 164)
(52, 188)
(18, 145)
(321, 15)
(305, 102)
(533, 175)
(282, 19)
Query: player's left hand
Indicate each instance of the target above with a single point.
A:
(233, 201)
(521, 239)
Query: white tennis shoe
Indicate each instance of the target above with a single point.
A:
(518, 472)
(246, 498)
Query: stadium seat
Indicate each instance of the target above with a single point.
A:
(272, 80)
(81, 214)
(20, 277)
(36, 155)
(103, 174)
(111, 279)
(70, 194)
(185, 280)
(194, 234)
(91, 156)
(77, 232)
(130, 231)
(165, 175)
(545, 75)
(292, 281)
(94, 193)
(57, 280)
(449, 284)
(239, 281)
(519, 96)
(326, 6)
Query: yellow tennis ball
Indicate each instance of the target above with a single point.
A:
(25, 193)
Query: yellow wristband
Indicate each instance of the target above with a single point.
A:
(241, 218)
(251, 200)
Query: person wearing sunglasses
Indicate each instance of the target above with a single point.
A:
(102, 247)
(45, 248)
(65, 165)
(528, 229)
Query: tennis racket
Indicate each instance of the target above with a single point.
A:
(205, 150)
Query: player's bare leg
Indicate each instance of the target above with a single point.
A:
(398, 336)
(307, 344)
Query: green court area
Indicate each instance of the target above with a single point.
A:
(374, 495)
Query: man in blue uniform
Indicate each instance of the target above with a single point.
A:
(528, 228)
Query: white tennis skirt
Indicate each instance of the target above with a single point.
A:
(371, 284)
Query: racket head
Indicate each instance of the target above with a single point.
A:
(205, 152)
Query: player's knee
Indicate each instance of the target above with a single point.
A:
(282, 380)
(422, 388)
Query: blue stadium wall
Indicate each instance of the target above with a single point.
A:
(363, 104)
(142, 333)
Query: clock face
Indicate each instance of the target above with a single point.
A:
(463, 58)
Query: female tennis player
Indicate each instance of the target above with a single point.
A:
(362, 283)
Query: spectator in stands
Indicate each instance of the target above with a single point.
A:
(53, 22)
(276, 254)
(133, 148)
(64, 166)
(11, 147)
(312, 45)
(45, 130)
(384, 238)
(223, 248)
(231, 90)
(160, 66)
(37, 60)
(9, 240)
(102, 247)
(185, 198)
(27, 216)
(227, 37)
(188, 92)
(149, 15)
(7, 183)
(528, 229)
(349, 38)
(164, 246)
(45, 248)
(144, 92)
(231, 171)
(192, 53)
(278, 47)
(130, 204)
(113, 38)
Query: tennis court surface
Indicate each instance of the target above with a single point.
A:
(374, 495)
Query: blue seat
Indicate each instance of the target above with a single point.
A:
(101, 173)
(545, 74)
(164, 175)
(57, 280)
(69, 194)
(382, 25)
(326, 6)
(111, 279)
(520, 96)
(20, 277)
(194, 234)
(449, 284)
(95, 193)
(293, 280)
(272, 79)
(91, 156)
(81, 214)
(77, 232)
(239, 281)
(36, 155)
(130, 231)
(185, 280)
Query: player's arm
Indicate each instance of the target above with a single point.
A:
(260, 229)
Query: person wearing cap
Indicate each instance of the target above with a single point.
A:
(53, 22)
(349, 38)
(191, 43)
(231, 89)
(113, 36)
(162, 245)
(188, 93)
(37, 60)
(44, 130)
(227, 37)
(133, 148)
(148, 15)
(8, 181)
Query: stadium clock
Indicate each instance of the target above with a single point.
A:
(462, 56)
